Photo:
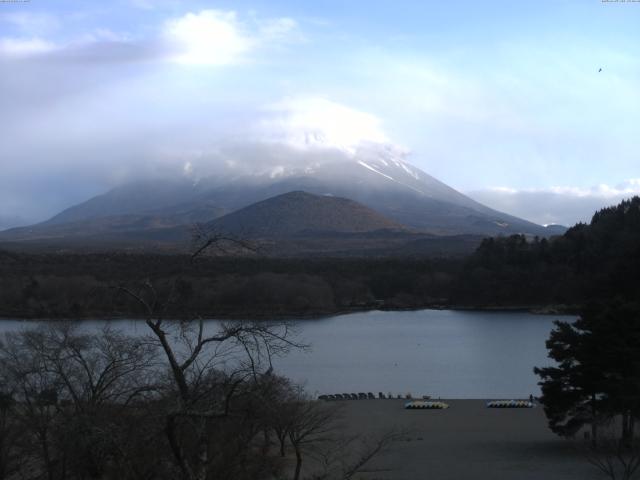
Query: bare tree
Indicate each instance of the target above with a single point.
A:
(68, 388)
(35, 389)
(311, 424)
(207, 368)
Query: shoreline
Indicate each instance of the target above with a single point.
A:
(279, 316)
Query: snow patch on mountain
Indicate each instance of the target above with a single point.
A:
(409, 171)
(365, 165)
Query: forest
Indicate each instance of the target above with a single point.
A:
(596, 260)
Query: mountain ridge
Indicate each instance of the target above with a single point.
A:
(380, 181)
(394, 194)
(302, 213)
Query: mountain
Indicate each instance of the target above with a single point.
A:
(554, 229)
(378, 178)
(350, 195)
(152, 196)
(302, 214)
(7, 222)
(127, 232)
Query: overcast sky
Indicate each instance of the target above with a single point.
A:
(503, 100)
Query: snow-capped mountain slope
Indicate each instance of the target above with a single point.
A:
(375, 175)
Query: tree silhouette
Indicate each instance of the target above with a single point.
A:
(597, 376)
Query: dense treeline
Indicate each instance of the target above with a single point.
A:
(599, 260)
(76, 286)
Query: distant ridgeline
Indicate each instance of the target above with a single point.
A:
(596, 261)
(590, 261)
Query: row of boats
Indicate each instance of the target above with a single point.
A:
(510, 404)
(425, 405)
(354, 396)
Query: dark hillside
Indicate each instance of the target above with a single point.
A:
(302, 213)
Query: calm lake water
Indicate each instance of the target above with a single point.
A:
(442, 353)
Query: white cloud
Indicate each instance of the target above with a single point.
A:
(29, 23)
(215, 37)
(279, 28)
(29, 34)
(103, 35)
(565, 205)
(90, 45)
(210, 37)
(627, 187)
(24, 47)
(285, 138)
(312, 122)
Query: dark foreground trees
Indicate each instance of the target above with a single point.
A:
(71, 397)
(206, 405)
(82, 406)
(597, 377)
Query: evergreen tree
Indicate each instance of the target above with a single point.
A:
(597, 375)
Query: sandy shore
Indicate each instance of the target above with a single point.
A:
(467, 441)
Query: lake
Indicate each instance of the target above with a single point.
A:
(442, 353)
